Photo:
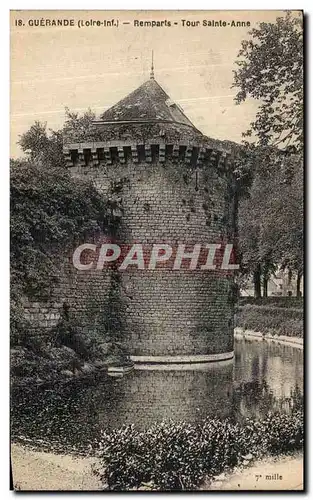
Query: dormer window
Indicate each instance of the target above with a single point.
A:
(172, 104)
(169, 103)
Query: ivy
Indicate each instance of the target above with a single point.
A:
(50, 212)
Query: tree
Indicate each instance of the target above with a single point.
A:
(270, 70)
(46, 146)
(78, 127)
(283, 217)
(43, 147)
(270, 175)
(271, 219)
(251, 213)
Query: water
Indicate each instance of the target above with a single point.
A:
(263, 377)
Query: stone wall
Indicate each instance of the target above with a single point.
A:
(86, 296)
(42, 316)
(158, 312)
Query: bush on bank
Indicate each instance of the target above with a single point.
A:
(287, 302)
(179, 456)
(63, 356)
(271, 319)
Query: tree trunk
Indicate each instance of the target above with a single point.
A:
(299, 276)
(257, 282)
(265, 283)
(289, 277)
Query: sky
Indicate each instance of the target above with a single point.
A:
(94, 67)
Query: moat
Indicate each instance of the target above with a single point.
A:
(262, 377)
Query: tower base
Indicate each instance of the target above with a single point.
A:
(181, 359)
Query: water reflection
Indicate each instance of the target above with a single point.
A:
(267, 376)
(146, 396)
(260, 379)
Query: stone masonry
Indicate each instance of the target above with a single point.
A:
(169, 184)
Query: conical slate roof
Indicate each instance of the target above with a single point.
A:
(148, 103)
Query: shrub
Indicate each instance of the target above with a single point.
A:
(286, 302)
(179, 456)
(113, 353)
(25, 363)
(45, 364)
(276, 320)
(67, 333)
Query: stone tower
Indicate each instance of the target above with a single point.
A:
(172, 185)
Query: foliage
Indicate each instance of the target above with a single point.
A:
(270, 220)
(41, 147)
(49, 210)
(88, 346)
(269, 168)
(282, 228)
(270, 70)
(78, 128)
(179, 456)
(67, 347)
(66, 335)
(274, 320)
(27, 363)
(46, 146)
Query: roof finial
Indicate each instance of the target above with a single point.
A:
(152, 69)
